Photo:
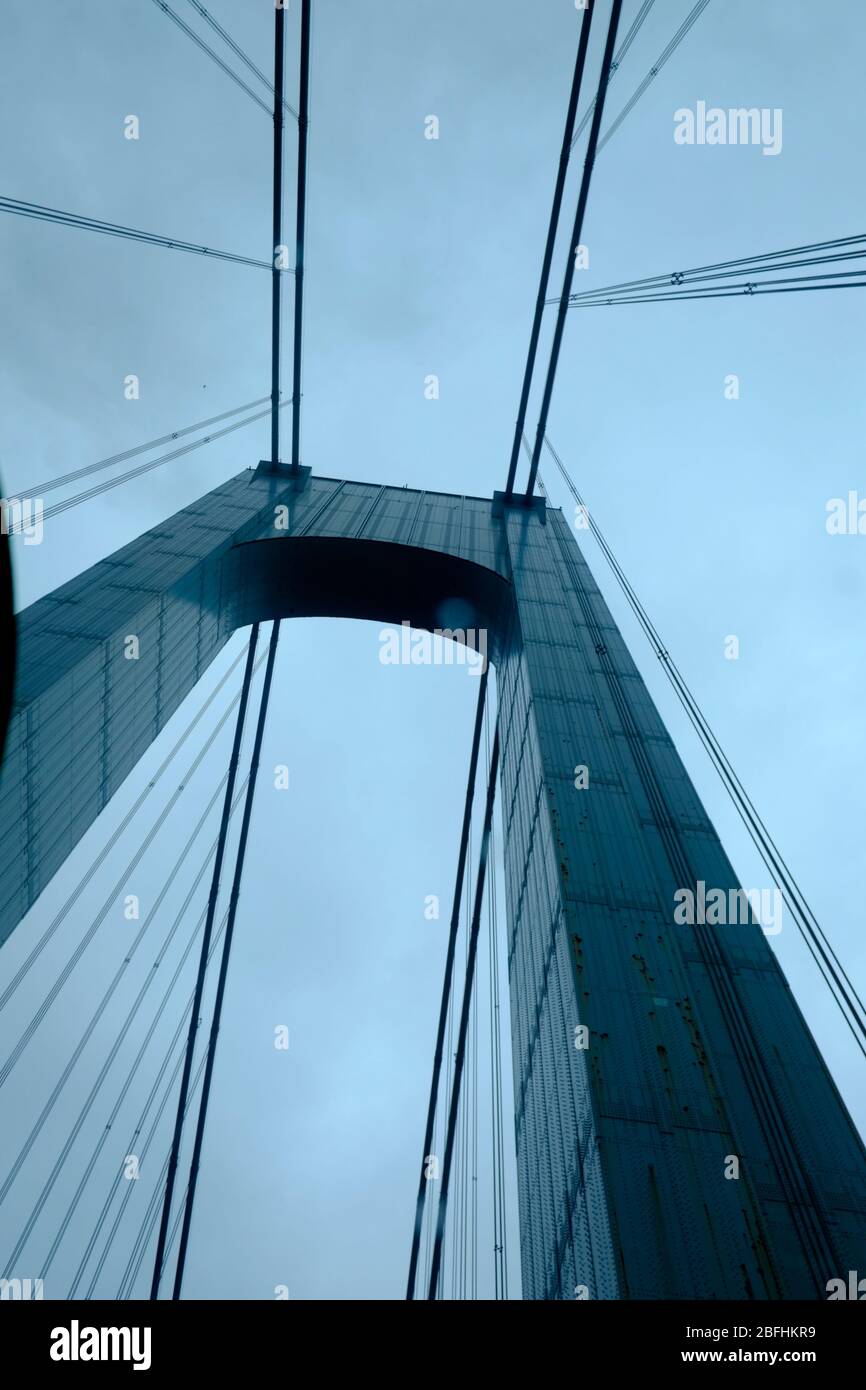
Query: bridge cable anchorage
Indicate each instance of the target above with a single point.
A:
(691, 18)
(205, 48)
(39, 1016)
(39, 489)
(18, 208)
(96, 491)
(300, 228)
(636, 26)
(835, 976)
(552, 228)
(459, 1060)
(598, 111)
(62, 1158)
(199, 986)
(447, 984)
(239, 52)
(791, 257)
(234, 897)
(99, 860)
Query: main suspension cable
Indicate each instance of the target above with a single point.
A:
(131, 1145)
(239, 52)
(59, 918)
(109, 483)
(623, 49)
(105, 1133)
(119, 1039)
(205, 48)
(654, 71)
(795, 284)
(792, 256)
(18, 208)
(39, 489)
(38, 1017)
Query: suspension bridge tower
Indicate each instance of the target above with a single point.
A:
(677, 1132)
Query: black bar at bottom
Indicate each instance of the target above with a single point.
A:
(56, 1339)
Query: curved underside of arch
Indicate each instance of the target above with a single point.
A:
(380, 581)
(106, 659)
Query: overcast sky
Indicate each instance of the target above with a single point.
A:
(423, 257)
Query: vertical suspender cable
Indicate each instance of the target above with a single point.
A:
(224, 962)
(579, 65)
(464, 1019)
(277, 253)
(592, 143)
(446, 983)
(202, 965)
(500, 1252)
(474, 1172)
(303, 129)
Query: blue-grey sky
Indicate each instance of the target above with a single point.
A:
(423, 257)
